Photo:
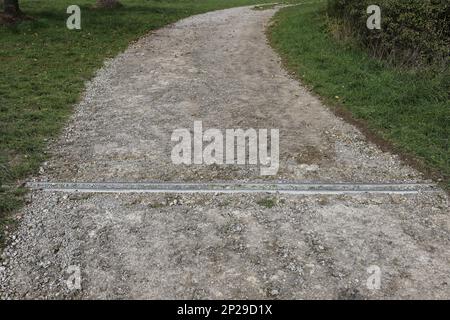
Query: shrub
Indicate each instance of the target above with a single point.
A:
(412, 31)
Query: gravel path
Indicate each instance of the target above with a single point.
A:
(218, 68)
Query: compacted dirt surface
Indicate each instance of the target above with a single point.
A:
(218, 68)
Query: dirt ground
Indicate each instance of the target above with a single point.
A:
(218, 68)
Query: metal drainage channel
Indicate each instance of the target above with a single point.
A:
(248, 187)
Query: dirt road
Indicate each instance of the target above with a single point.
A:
(218, 68)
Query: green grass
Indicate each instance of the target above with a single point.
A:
(408, 108)
(44, 66)
(267, 202)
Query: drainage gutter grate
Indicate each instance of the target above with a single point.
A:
(263, 187)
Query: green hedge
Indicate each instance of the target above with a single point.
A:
(412, 31)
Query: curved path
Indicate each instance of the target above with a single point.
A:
(218, 68)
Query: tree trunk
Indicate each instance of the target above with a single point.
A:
(108, 3)
(12, 8)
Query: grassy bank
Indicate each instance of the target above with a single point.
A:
(408, 109)
(43, 68)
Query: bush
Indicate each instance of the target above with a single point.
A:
(412, 31)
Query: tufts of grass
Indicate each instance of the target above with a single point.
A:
(157, 205)
(408, 108)
(267, 203)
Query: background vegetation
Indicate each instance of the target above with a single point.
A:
(414, 32)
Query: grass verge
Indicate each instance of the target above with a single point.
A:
(403, 110)
(44, 66)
